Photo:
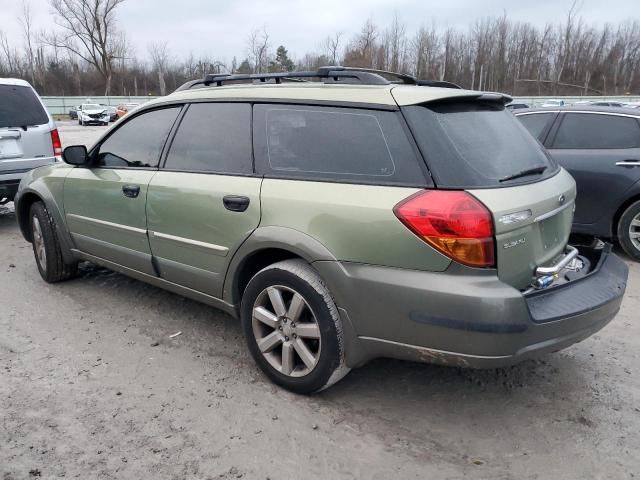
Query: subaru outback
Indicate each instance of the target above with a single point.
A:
(342, 215)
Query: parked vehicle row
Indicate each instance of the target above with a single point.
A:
(563, 103)
(341, 219)
(600, 147)
(114, 113)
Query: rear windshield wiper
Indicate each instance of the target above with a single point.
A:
(524, 173)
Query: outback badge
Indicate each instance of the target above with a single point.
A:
(515, 243)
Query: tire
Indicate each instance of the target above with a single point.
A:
(322, 345)
(628, 227)
(46, 246)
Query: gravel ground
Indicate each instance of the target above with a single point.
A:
(91, 386)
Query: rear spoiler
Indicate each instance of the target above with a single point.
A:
(418, 96)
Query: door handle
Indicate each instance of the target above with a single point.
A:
(131, 191)
(236, 203)
(628, 163)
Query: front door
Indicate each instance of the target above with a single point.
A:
(105, 204)
(205, 201)
(602, 153)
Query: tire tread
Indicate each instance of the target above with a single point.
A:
(57, 269)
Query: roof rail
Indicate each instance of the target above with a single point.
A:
(332, 74)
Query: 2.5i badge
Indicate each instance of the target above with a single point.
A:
(515, 243)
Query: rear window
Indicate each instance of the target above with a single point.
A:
(20, 107)
(476, 144)
(341, 144)
(597, 131)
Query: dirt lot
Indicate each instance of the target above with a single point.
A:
(85, 393)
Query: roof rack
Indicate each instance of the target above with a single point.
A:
(330, 74)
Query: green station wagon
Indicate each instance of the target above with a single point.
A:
(342, 215)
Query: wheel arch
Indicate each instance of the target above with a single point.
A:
(621, 209)
(23, 207)
(265, 246)
(26, 198)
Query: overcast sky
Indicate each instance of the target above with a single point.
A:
(219, 29)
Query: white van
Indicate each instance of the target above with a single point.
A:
(28, 135)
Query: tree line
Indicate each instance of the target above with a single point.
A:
(88, 54)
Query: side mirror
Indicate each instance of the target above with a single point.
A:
(76, 155)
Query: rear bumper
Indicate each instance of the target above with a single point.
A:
(8, 188)
(96, 121)
(10, 178)
(468, 317)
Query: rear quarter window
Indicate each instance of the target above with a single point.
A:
(597, 131)
(335, 144)
(476, 145)
(536, 123)
(20, 107)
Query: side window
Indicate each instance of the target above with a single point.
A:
(326, 143)
(536, 123)
(139, 142)
(213, 137)
(597, 131)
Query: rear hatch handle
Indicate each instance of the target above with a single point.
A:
(571, 253)
(10, 134)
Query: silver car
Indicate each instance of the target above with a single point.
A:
(28, 135)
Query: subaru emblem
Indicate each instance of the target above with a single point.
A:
(561, 199)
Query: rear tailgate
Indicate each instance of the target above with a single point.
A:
(474, 144)
(25, 130)
(532, 224)
(25, 149)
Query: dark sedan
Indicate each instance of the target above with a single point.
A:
(73, 112)
(600, 147)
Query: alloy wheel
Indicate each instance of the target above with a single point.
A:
(634, 231)
(286, 331)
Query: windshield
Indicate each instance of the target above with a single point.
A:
(20, 107)
(92, 106)
(477, 144)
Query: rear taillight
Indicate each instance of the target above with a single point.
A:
(453, 222)
(55, 141)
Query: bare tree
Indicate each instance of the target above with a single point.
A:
(159, 53)
(565, 58)
(258, 44)
(26, 23)
(331, 46)
(10, 54)
(90, 33)
(395, 43)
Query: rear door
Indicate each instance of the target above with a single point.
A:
(25, 130)
(205, 201)
(602, 152)
(480, 147)
(105, 204)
